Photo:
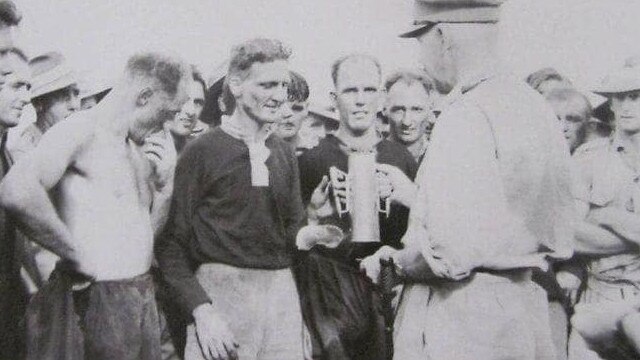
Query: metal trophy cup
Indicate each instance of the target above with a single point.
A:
(363, 202)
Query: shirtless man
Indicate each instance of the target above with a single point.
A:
(110, 176)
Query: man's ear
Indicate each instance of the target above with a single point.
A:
(235, 86)
(144, 96)
(334, 98)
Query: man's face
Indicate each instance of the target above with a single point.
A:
(408, 109)
(572, 117)
(159, 109)
(293, 113)
(65, 103)
(264, 91)
(436, 60)
(185, 121)
(14, 93)
(626, 108)
(358, 94)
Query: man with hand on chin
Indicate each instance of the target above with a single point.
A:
(95, 191)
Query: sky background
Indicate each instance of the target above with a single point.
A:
(581, 38)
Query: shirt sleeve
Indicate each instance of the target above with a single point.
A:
(172, 246)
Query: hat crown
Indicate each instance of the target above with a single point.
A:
(49, 73)
(621, 80)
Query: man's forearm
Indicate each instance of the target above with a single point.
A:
(413, 264)
(160, 208)
(40, 222)
(592, 239)
(621, 222)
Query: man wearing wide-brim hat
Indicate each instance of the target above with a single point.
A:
(54, 95)
(494, 190)
(609, 171)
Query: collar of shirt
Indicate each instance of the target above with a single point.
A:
(258, 150)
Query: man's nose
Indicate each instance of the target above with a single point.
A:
(74, 103)
(360, 98)
(280, 94)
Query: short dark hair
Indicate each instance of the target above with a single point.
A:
(9, 13)
(543, 75)
(335, 67)
(168, 71)
(256, 50)
(571, 95)
(408, 77)
(298, 88)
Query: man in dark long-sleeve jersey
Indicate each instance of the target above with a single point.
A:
(340, 307)
(234, 217)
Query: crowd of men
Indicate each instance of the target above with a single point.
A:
(504, 218)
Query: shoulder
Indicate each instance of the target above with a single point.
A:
(325, 146)
(77, 129)
(592, 148)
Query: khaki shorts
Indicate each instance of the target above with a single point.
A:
(486, 317)
(261, 308)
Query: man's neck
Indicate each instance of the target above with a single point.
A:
(112, 115)
(367, 139)
(45, 121)
(416, 148)
(248, 127)
(631, 141)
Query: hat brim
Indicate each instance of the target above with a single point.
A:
(621, 81)
(417, 30)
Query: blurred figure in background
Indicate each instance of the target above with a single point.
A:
(185, 125)
(294, 112)
(574, 113)
(14, 95)
(547, 79)
(54, 95)
(409, 110)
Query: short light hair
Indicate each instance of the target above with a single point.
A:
(261, 50)
(335, 67)
(571, 96)
(298, 88)
(167, 71)
(537, 78)
(408, 77)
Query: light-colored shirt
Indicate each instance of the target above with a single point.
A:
(496, 181)
(611, 177)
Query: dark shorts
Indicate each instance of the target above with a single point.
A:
(119, 319)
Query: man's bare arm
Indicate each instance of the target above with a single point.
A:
(160, 208)
(591, 239)
(619, 221)
(24, 191)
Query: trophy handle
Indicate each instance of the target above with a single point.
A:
(335, 176)
(384, 206)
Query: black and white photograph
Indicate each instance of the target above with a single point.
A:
(319, 180)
